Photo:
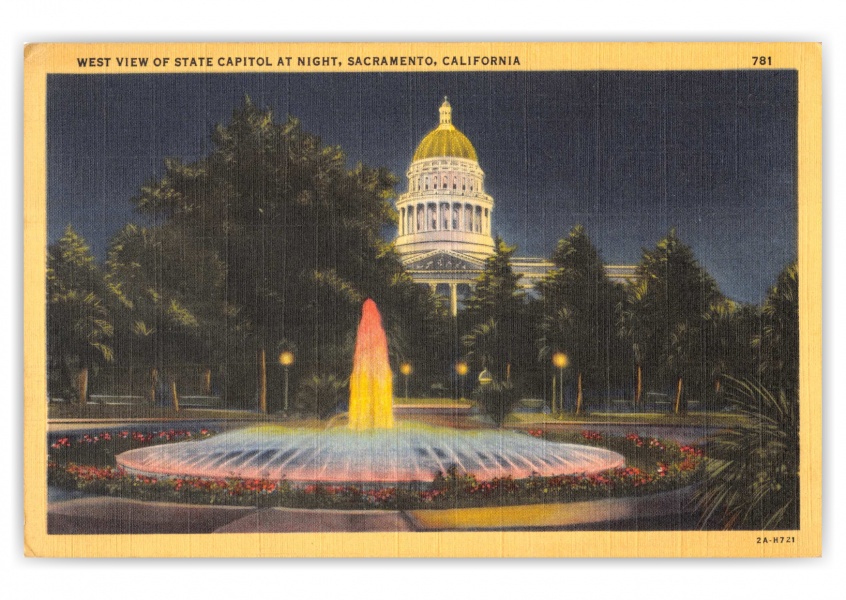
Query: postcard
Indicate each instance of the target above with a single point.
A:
(423, 300)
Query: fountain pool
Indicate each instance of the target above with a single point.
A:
(405, 453)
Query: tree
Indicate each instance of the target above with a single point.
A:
(298, 235)
(778, 341)
(753, 466)
(578, 311)
(79, 327)
(630, 323)
(495, 312)
(664, 316)
(483, 344)
(171, 307)
(729, 329)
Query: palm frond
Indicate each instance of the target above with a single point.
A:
(753, 467)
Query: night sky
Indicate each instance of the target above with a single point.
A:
(627, 154)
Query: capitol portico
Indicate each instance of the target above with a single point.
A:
(445, 217)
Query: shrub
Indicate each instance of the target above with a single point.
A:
(753, 467)
(320, 394)
(497, 399)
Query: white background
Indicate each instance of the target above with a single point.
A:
(324, 20)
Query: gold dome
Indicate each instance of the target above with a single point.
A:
(445, 140)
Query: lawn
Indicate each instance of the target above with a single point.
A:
(435, 402)
(604, 418)
(94, 411)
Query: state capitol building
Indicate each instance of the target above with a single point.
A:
(445, 217)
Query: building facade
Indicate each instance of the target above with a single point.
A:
(445, 218)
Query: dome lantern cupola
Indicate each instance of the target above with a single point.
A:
(446, 113)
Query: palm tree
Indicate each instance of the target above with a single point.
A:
(495, 315)
(753, 466)
(729, 329)
(483, 345)
(79, 324)
(169, 301)
(664, 315)
(579, 305)
(778, 342)
(557, 336)
(678, 362)
(719, 321)
(628, 328)
(487, 349)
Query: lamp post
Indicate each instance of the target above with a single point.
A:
(559, 359)
(485, 379)
(461, 369)
(406, 370)
(286, 359)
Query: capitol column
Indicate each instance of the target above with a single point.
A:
(453, 299)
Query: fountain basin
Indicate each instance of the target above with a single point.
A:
(405, 454)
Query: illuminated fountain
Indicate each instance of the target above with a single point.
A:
(372, 449)
(371, 382)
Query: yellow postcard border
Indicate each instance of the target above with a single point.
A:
(806, 58)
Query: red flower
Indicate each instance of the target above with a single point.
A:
(653, 443)
(88, 473)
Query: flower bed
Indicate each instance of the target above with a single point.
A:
(654, 466)
(126, 440)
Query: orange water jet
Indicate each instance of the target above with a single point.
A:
(371, 382)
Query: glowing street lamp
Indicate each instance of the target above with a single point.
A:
(559, 360)
(461, 369)
(286, 359)
(406, 370)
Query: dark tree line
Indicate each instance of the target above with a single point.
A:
(670, 332)
(271, 243)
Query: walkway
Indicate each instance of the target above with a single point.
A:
(104, 515)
